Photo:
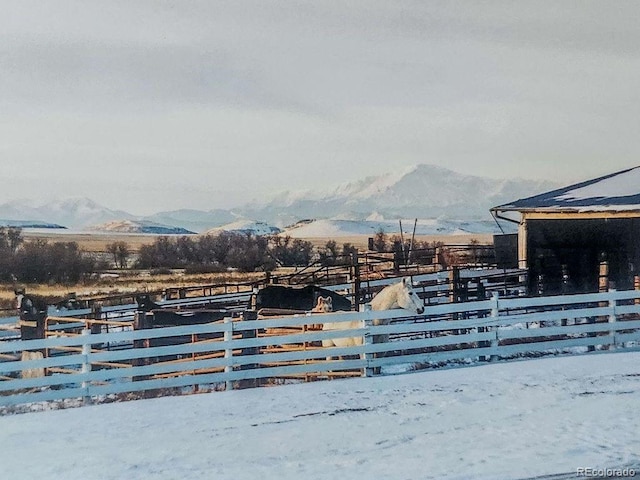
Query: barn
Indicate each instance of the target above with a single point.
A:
(580, 238)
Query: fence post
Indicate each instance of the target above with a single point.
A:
(612, 318)
(355, 287)
(228, 351)
(249, 315)
(367, 371)
(495, 312)
(86, 364)
(142, 321)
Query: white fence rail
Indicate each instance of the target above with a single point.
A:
(231, 351)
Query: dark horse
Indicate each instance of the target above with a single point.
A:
(145, 303)
(172, 317)
(297, 298)
(33, 312)
(152, 315)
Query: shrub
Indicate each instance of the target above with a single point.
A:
(61, 262)
(291, 253)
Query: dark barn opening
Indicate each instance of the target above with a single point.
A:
(564, 256)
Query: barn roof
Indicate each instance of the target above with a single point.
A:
(618, 191)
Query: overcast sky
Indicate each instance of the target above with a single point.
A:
(158, 105)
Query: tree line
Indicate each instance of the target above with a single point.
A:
(242, 251)
(248, 252)
(38, 261)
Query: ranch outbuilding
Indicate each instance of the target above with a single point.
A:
(580, 238)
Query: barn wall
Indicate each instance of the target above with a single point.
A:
(506, 250)
(563, 255)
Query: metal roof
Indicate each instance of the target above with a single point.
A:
(615, 192)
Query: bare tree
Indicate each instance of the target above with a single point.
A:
(120, 251)
(380, 243)
(14, 235)
(123, 254)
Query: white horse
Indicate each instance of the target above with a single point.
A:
(324, 305)
(398, 295)
(32, 372)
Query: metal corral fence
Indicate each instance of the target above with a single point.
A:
(434, 288)
(236, 352)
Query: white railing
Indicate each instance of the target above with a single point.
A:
(290, 347)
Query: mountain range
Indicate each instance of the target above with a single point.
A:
(422, 191)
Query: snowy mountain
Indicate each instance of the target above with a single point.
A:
(28, 224)
(75, 212)
(71, 212)
(457, 201)
(422, 191)
(139, 226)
(20, 209)
(194, 220)
(245, 226)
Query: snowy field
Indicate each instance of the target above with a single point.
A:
(503, 421)
(333, 228)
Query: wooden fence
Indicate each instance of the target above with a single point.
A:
(231, 351)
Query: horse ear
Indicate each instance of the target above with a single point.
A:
(406, 281)
(329, 301)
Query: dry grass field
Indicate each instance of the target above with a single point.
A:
(361, 241)
(125, 282)
(92, 242)
(97, 242)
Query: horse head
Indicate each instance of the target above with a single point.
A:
(408, 298)
(398, 295)
(324, 305)
(145, 303)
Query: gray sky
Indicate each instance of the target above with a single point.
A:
(158, 105)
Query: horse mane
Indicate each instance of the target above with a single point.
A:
(377, 302)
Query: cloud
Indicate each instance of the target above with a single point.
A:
(255, 97)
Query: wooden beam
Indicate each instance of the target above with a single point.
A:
(522, 245)
(572, 215)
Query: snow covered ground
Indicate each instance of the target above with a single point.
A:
(342, 228)
(511, 420)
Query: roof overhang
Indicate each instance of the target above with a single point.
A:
(562, 213)
(498, 214)
(616, 195)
